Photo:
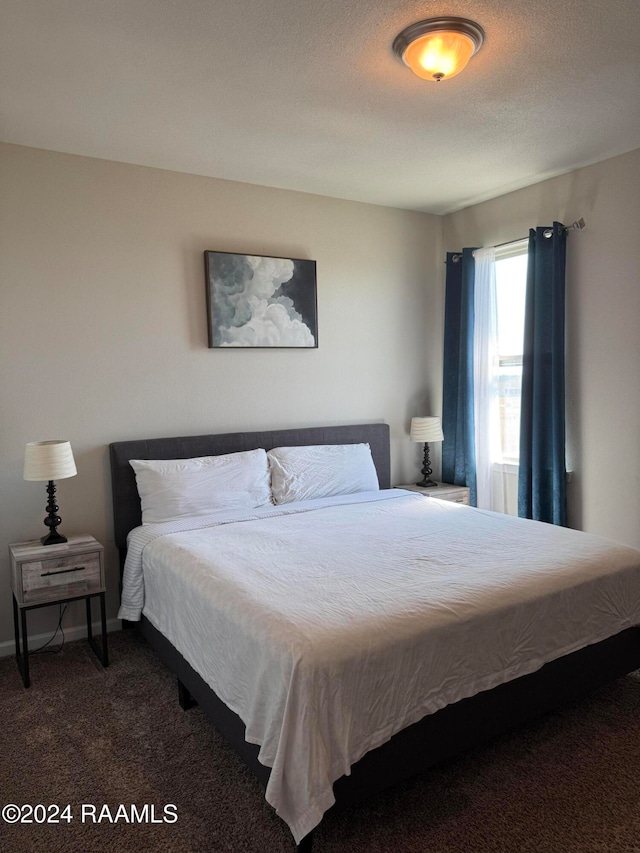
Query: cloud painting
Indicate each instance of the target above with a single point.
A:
(255, 301)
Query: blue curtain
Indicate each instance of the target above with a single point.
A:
(458, 448)
(542, 478)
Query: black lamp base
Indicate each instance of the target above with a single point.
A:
(52, 520)
(54, 538)
(426, 482)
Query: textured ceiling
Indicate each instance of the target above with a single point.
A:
(308, 96)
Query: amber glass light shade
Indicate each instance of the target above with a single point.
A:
(438, 56)
(438, 48)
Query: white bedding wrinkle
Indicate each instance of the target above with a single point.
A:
(329, 626)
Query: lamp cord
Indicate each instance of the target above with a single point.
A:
(43, 649)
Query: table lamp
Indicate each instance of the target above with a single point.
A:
(426, 429)
(50, 460)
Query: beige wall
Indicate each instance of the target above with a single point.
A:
(603, 327)
(103, 330)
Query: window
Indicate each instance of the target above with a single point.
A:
(511, 280)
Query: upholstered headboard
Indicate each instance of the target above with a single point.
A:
(126, 502)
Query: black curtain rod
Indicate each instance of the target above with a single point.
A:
(578, 225)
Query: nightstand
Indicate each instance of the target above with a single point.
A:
(444, 491)
(42, 575)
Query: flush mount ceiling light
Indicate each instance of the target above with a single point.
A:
(438, 48)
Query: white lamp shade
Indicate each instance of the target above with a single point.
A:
(426, 429)
(48, 460)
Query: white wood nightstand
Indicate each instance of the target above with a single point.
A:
(444, 491)
(42, 575)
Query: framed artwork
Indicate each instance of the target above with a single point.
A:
(257, 301)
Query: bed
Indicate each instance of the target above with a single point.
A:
(588, 646)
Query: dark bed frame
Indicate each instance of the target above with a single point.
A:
(437, 736)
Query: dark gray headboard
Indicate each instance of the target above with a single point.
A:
(126, 502)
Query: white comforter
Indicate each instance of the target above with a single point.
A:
(329, 626)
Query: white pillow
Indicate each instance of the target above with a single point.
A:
(320, 471)
(178, 488)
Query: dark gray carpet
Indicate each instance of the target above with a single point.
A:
(81, 734)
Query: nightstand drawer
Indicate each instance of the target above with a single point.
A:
(62, 576)
(443, 491)
(455, 497)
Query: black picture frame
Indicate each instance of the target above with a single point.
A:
(261, 301)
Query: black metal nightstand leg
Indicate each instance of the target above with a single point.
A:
(103, 617)
(87, 602)
(25, 649)
(22, 660)
(16, 625)
(101, 653)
